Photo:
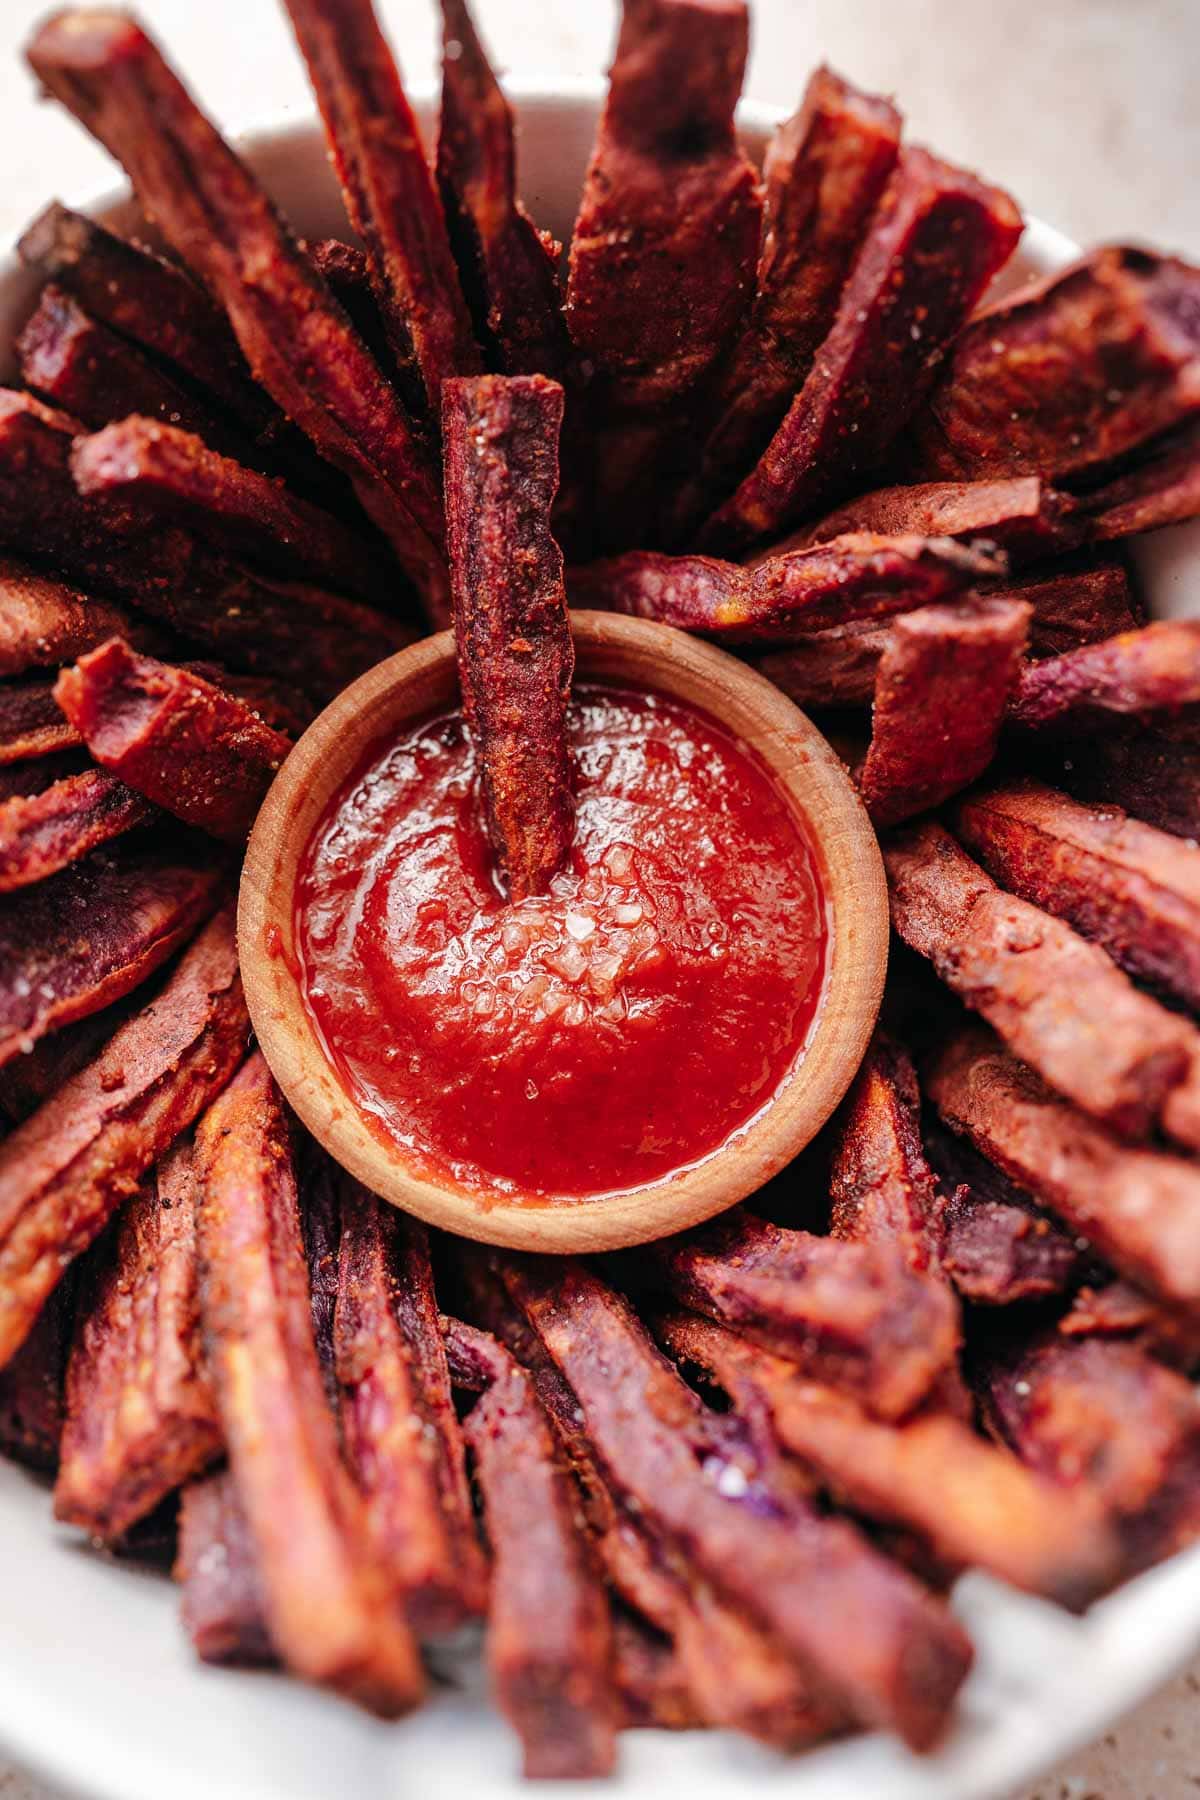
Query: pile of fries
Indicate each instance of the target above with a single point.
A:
(727, 1480)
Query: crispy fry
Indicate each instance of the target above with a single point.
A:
(401, 1435)
(1086, 1413)
(932, 1475)
(549, 1645)
(1117, 1309)
(824, 171)
(147, 300)
(937, 238)
(854, 1315)
(222, 1608)
(291, 629)
(20, 780)
(665, 243)
(76, 364)
(1148, 675)
(390, 194)
(75, 943)
(320, 1187)
(871, 1634)
(174, 476)
(347, 274)
(650, 1680)
(835, 667)
(1162, 489)
(183, 743)
(30, 1079)
(838, 666)
(1138, 1207)
(31, 1386)
(737, 1676)
(1078, 604)
(508, 267)
(295, 337)
(64, 1172)
(45, 832)
(329, 1608)
(140, 1414)
(999, 1248)
(31, 726)
(943, 684)
(1126, 885)
(1026, 518)
(515, 655)
(1068, 373)
(1156, 779)
(880, 1184)
(783, 598)
(1059, 1002)
(43, 622)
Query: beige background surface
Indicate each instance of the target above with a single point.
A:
(1089, 110)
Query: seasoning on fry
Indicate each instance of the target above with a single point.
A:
(1067, 374)
(514, 639)
(174, 737)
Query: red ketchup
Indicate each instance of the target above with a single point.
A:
(593, 1039)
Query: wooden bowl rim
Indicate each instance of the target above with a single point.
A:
(415, 682)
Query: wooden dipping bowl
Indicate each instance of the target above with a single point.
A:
(636, 653)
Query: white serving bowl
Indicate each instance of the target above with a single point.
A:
(99, 1690)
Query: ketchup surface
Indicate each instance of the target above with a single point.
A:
(593, 1039)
